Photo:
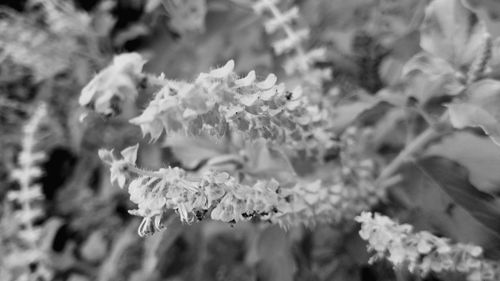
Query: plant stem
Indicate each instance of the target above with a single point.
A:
(431, 133)
(142, 172)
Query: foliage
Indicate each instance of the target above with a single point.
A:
(251, 140)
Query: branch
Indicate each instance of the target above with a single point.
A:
(430, 134)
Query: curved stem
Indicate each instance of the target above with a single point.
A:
(431, 133)
(132, 168)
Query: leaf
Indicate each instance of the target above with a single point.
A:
(430, 76)
(268, 162)
(452, 32)
(488, 11)
(390, 70)
(186, 16)
(428, 64)
(190, 151)
(151, 5)
(481, 109)
(482, 164)
(345, 114)
(94, 249)
(430, 206)
(491, 6)
(275, 257)
(495, 57)
(453, 179)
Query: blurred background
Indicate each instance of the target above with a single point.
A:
(49, 50)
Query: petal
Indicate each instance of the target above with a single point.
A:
(130, 153)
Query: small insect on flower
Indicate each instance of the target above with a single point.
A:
(107, 92)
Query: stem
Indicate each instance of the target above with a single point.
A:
(142, 172)
(431, 133)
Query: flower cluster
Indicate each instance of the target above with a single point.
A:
(34, 47)
(225, 198)
(302, 60)
(63, 18)
(114, 85)
(25, 174)
(28, 197)
(422, 252)
(220, 103)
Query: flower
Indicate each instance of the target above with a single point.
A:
(423, 252)
(118, 175)
(114, 85)
(119, 167)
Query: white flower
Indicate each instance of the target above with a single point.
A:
(114, 85)
(422, 252)
(118, 173)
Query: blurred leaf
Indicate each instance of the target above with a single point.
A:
(275, 257)
(492, 6)
(482, 163)
(390, 70)
(190, 151)
(103, 21)
(430, 206)
(495, 57)
(489, 10)
(430, 76)
(391, 129)
(94, 249)
(132, 32)
(221, 41)
(124, 256)
(481, 109)
(77, 277)
(428, 64)
(453, 179)
(151, 5)
(452, 32)
(267, 162)
(469, 115)
(186, 15)
(406, 46)
(345, 114)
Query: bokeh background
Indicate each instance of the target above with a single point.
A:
(49, 50)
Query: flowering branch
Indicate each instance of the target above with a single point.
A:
(29, 193)
(302, 61)
(27, 172)
(219, 103)
(223, 197)
(422, 252)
